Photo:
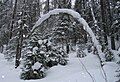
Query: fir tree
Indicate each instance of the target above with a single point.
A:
(33, 62)
(41, 55)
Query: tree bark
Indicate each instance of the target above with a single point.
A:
(113, 42)
(13, 17)
(19, 47)
(104, 20)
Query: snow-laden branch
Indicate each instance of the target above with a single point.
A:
(79, 18)
(55, 12)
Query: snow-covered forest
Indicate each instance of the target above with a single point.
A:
(59, 41)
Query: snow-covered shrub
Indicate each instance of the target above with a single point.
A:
(92, 49)
(33, 66)
(62, 61)
(118, 70)
(80, 53)
(41, 57)
(80, 50)
(89, 46)
(34, 63)
(57, 55)
(108, 54)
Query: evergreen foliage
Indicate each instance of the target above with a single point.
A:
(41, 56)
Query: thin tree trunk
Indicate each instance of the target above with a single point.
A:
(13, 17)
(38, 6)
(103, 14)
(113, 42)
(110, 22)
(19, 48)
(48, 9)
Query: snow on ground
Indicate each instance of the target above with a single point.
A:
(7, 71)
(73, 72)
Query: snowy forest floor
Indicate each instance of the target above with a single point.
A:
(75, 71)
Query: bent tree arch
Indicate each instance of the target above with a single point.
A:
(77, 17)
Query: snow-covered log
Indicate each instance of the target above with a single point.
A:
(80, 19)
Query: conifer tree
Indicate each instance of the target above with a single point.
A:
(40, 56)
